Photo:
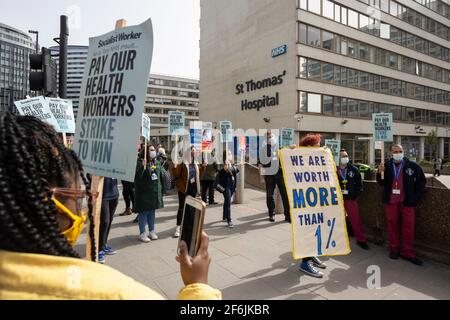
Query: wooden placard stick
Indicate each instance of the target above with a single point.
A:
(97, 186)
(382, 159)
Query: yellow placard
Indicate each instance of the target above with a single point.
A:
(316, 202)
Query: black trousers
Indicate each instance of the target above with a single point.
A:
(191, 191)
(106, 217)
(437, 172)
(271, 182)
(128, 193)
(207, 187)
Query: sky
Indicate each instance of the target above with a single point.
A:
(175, 25)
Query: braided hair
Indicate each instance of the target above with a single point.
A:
(33, 160)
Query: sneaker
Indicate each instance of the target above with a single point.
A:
(363, 245)
(230, 225)
(308, 268)
(394, 255)
(318, 264)
(143, 237)
(177, 232)
(109, 251)
(272, 218)
(153, 235)
(127, 212)
(101, 257)
(414, 260)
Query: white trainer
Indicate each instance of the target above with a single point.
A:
(153, 235)
(177, 232)
(143, 237)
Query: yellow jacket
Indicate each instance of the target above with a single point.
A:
(39, 276)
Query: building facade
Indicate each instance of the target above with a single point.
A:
(15, 48)
(325, 66)
(76, 60)
(168, 93)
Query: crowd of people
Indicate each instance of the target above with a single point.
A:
(42, 216)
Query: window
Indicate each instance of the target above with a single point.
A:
(328, 9)
(302, 33)
(303, 4)
(313, 36)
(344, 15)
(327, 40)
(364, 109)
(303, 67)
(314, 6)
(393, 60)
(364, 80)
(328, 105)
(344, 46)
(313, 69)
(384, 85)
(384, 5)
(353, 78)
(353, 108)
(314, 103)
(364, 52)
(337, 13)
(337, 75)
(385, 31)
(396, 36)
(328, 72)
(394, 8)
(353, 19)
(363, 23)
(351, 50)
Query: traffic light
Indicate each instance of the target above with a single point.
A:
(44, 76)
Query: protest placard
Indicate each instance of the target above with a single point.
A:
(287, 137)
(316, 202)
(382, 127)
(62, 110)
(146, 127)
(207, 144)
(196, 134)
(37, 107)
(176, 122)
(335, 147)
(112, 99)
(226, 130)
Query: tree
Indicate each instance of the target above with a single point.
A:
(432, 140)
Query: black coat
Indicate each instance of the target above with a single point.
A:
(414, 182)
(227, 179)
(354, 182)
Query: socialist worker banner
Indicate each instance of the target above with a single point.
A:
(316, 202)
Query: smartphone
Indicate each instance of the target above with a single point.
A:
(192, 224)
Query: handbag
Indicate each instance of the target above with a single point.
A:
(166, 178)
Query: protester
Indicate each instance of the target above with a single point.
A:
(110, 200)
(42, 217)
(271, 169)
(309, 264)
(437, 166)
(404, 183)
(226, 184)
(187, 176)
(149, 192)
(351, 186)
(207, 183)
(128, 197)
(161, 155)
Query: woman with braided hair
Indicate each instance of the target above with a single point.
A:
(42, 206)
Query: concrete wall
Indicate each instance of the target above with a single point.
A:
(432, 218)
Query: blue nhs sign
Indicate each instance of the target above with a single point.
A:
(279, 51)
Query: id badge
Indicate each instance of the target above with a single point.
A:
(345, 192)
(192, 180)
(154, 177)
(396, 191)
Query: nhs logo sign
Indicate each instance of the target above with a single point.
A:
(279, 51)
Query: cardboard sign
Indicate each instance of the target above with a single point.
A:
(382, 127)
(226, 130)
(112, 100)
(335, 147)
(196, 134)
(146, 124)
(207, 144)
(316, 202)
(63, 112)
(37, 107)
(176, 122)
(287, 137)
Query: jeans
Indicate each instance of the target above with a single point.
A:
(144, 218)
(227, 195)
(128, 193)
(207, 187)
(271, 182)
(106, 217)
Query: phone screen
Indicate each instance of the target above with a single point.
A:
(190, 228)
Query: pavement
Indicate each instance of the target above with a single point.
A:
(254, 261)
(444, 179)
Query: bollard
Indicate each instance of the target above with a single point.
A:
(240, 185)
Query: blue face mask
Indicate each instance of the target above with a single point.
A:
(398, 156)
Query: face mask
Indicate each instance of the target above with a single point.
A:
(398, 156)
(344, 161)
(152, 154)
(74, 231)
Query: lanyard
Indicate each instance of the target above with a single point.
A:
(397, 174)
(344, 177)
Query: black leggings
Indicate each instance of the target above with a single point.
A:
(128, 193)
(106, 218)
